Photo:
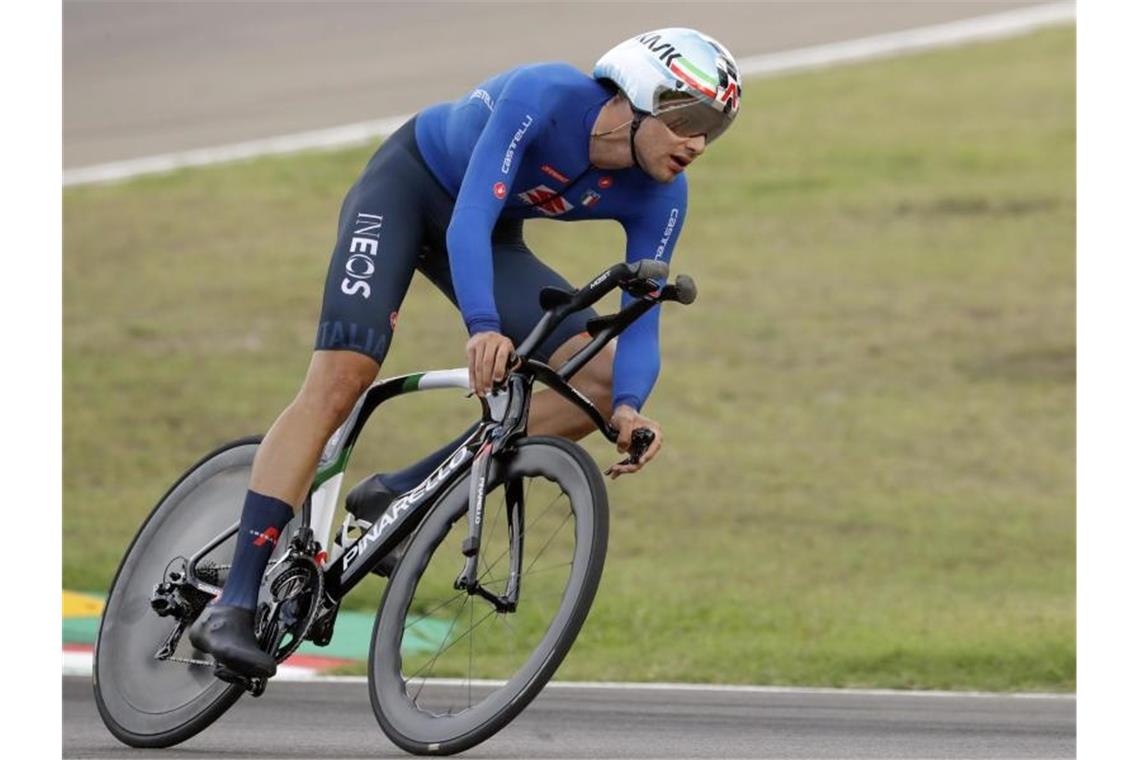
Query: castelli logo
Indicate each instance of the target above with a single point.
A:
(392, 319)
(500, 190)
(605, 182)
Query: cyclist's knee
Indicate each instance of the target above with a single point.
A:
(595, 380)
(334, 382)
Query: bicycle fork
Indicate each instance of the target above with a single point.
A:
(468, 579)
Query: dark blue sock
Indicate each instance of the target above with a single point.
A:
(262, 520)
(408, 478)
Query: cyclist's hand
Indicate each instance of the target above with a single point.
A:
(487, 354)
(626, 419)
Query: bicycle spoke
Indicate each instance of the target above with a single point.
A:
(444, 649)
(552, 536)
(505, 618)
(439, 651)
(530, 572)
(531, 524)
(541, 550)
(494, 524)
(426, 615)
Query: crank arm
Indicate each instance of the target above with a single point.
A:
(166, 651)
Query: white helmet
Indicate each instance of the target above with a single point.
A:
(685, 78)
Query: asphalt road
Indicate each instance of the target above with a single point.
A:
(141, 79)
(308, 720)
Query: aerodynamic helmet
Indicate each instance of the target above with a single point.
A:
(685, 78)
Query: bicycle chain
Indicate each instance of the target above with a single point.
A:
(189, 661)
(212, 663)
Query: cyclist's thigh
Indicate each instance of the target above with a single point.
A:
(519, 277)
(378, 239)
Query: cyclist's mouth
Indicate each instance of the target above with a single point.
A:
(677, 165)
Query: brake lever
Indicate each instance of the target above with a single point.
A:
(514, 361)
(639, 443)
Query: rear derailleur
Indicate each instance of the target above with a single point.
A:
(282, 622)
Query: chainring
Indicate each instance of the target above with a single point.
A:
(295, 595)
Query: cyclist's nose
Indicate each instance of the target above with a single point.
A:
(697, 145)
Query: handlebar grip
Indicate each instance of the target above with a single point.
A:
(650, 269)
(639, 443)
(686, 289)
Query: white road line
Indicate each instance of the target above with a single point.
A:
(990, 27)
(80, 663)
(977, 29)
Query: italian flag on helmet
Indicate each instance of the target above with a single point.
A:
(677, 72)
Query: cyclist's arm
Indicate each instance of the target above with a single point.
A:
(486, 185)
(652, 233)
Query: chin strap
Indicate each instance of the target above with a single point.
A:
(634, 125)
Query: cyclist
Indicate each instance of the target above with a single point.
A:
(447, 195)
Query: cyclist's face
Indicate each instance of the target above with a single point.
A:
(663, 153)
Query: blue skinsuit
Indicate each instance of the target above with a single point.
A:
(517, 147)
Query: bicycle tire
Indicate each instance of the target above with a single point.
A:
(422, 731)
(183, 699)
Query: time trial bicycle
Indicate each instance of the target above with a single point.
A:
(492, 561)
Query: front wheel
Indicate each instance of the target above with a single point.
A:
(448, 669)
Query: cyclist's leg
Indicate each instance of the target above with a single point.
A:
(379, 235)
(550, 414)
(519, 277)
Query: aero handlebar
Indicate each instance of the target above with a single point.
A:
(637, 279)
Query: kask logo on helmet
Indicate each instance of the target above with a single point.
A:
(677, 73)
(679, 65)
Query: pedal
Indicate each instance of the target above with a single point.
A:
(255, 686)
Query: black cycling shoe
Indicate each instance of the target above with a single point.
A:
(227, 633)
(369, 498)
(367, 501)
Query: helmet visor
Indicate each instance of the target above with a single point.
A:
(687, 116)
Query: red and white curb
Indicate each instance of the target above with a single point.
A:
(79, 658)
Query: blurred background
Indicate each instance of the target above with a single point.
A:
(870, 470)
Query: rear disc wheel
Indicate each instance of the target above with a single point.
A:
(146, 702)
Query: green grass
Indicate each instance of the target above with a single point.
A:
(870, 470)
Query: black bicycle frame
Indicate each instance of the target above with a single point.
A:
(504, 420)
